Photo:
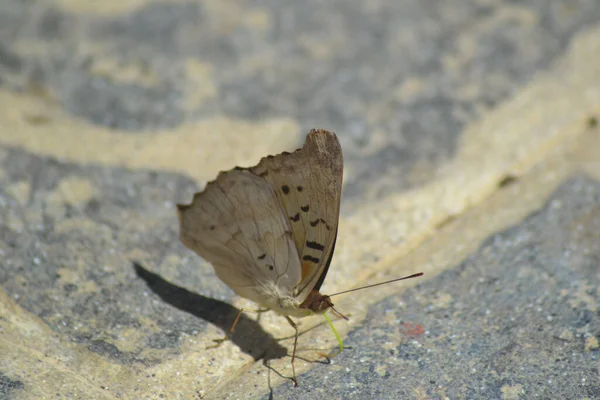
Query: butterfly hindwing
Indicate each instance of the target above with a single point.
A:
(237, 224)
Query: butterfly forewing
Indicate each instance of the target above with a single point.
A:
(308, 182)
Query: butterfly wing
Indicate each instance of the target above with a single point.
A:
(308, 184)
(237, 224)
(270, 230)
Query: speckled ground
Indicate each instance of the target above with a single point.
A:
(472, 150)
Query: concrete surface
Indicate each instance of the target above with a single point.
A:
(472, 148)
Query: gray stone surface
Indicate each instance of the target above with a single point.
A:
(471, 154)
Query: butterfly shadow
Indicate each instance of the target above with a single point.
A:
(248, 336)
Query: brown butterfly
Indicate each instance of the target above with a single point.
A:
(270, 230)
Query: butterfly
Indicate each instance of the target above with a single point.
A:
(269, 231)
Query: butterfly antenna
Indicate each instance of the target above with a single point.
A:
(377, 284)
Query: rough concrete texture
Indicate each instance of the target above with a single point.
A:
(472, 150)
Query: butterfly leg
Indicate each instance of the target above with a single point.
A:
(259, 312)
(294, 351)
(232, 329)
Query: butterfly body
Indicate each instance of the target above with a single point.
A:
(269, 230)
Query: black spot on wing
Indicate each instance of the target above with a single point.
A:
(315, 245)
(300, 188)
(311, 259)
(295, 218)
(262, 256)
(285, 189)
(271, 268)
(212, 227)
(326, 224)
(315, 222)
(305, 208)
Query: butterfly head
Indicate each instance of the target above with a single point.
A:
(317, 302)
